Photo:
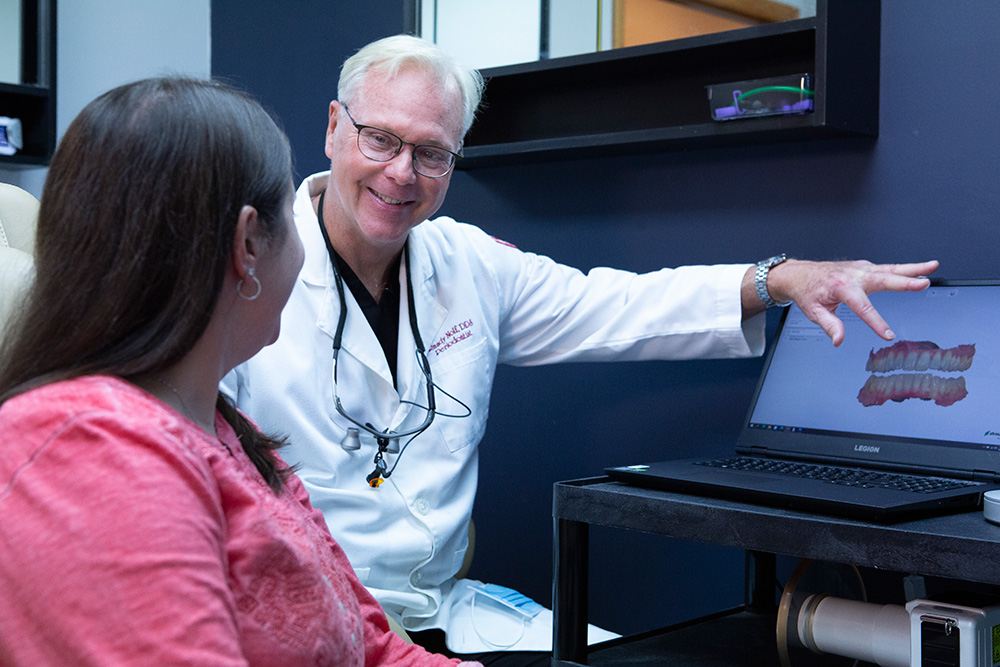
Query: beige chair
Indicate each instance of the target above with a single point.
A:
(18, 213)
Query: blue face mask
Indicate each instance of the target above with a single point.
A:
(511, 599)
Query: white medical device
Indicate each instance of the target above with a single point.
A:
(924, 632)
(960, 632)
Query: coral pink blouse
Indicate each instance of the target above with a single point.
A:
(129, 536)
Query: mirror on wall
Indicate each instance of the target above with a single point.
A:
(492, 33)
(10, 41)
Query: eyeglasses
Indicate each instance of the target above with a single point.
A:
(381, 146)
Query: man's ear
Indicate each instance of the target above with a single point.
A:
(247, 242)
(331, 126)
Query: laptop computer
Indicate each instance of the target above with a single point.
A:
(924, 407)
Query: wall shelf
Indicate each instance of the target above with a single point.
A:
(34, 100)
(653, 97)
(35, 107)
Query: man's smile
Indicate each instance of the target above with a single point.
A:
(387, 199)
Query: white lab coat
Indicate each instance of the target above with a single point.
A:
(479, 302)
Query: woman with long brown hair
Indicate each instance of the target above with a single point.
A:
(144, 520)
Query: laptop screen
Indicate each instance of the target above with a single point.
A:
(930, 397)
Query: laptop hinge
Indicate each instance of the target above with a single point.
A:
(758, 451)
(984, 476)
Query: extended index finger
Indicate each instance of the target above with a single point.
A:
(863, 308)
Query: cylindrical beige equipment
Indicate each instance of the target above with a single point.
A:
(860, 630)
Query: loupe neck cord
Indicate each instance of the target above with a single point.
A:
(384, 436)
(393, 436)
(422, 361)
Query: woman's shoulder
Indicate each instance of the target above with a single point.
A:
(98, 412)
(85, 394)
(85, 397)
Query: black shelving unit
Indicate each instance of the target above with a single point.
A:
(961, 547)
(33, 101)
(654, 97)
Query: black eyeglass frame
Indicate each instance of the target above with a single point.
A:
(416, 164)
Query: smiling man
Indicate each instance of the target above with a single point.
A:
(382, 375)
(374, 200)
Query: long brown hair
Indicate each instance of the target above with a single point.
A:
(135, 230)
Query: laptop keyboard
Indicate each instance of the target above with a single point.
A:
(844, 476)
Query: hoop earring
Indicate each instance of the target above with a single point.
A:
(239, 286)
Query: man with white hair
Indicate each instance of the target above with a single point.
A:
(383, 387)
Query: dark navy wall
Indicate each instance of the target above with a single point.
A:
(926, 188)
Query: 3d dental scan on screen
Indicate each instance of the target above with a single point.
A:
(937, 381)
(921, 407)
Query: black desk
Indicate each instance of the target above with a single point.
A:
(962, 546)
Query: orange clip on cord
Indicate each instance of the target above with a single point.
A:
(375, 478)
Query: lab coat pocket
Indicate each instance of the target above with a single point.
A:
(464, 377)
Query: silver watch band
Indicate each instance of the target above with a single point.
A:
(764, 266)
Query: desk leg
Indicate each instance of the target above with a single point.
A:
(569, 592)
(761, 573)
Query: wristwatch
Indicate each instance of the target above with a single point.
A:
(764, 266)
